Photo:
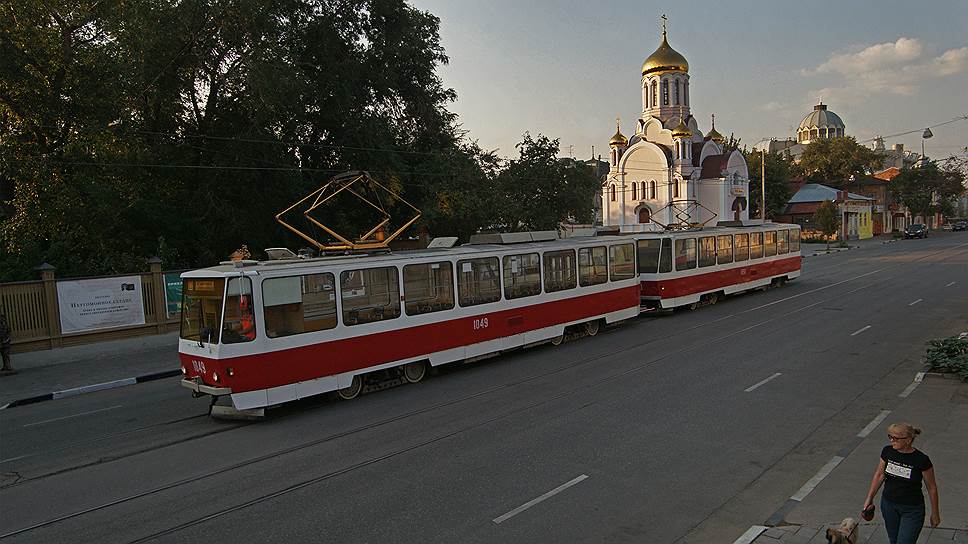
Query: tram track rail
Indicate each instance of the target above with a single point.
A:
(430, 408)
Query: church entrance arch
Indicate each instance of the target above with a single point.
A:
(644, 214)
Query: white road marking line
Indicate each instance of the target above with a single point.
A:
(533, 502)
(13, 459)
(873, 424)
(750, 534)
(817, 478)
(73, 415)
(855, 333)
(773, 377)
(919, 377)
(909, 389)
(950, 284)
(915, 302)
(812, 291)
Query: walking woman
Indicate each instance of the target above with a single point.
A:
(902, 468)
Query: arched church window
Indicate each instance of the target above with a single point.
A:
(635, 191)
(645, 216)
(655, 101)
(677, 92)
(652, 189)
(612, 191)
(686, 93)
(675, 189)
(643, 190)
(665, 92)
(646, 95)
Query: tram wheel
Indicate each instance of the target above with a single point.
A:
(558, 340)
(713, 298)
(351, 391)
(592, 327)
(414, 372)
(694, 306)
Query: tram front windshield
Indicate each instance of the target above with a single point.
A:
(202, 309)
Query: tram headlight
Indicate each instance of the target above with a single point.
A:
(214, 376)
(230, 372)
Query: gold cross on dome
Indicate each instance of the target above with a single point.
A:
(664, 19)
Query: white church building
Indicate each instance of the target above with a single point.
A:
(668, 172)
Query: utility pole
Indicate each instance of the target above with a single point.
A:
(763, 185)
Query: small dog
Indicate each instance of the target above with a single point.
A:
(847, 533)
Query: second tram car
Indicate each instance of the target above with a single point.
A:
(258, 334)
(694, 267)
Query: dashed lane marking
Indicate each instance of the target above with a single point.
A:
(754, 386)
(950, 284)
(750, 534)
(533, 502)
(873, 424)
(817, 478)
(915, 302)
(855, 333)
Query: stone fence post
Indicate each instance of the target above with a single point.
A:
(50, 300)
(158, 290)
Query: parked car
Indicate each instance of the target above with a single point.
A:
(916, 230)
(960, 225)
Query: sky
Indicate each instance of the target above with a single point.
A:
(568, 68)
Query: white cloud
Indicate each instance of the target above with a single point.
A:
(898, 68)
(771, 107)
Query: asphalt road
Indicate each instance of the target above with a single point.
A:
(681, 428)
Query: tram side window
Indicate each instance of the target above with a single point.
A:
(742, 243)
(621, 261)
(478, 281)
(298, 304)
(724, 249)
(686, 254)
(559, 270)
(522, 275)
(756, 245)
(769, 244)
(707, 251)
(238, 324)
(665, 257)
(649, 255)
(369, 295)
(428, 287)
(794, 239)
(592, 266)
(782, 241)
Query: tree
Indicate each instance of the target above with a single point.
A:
(929, 188)
(827, 219)
(835, 161)
(780, 169)
(537, 191)
(180, 129)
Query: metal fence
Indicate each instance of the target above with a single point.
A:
(32, 311)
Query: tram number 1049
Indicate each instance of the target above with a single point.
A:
(480, 323)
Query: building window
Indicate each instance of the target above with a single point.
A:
(675, 189)
(686, 94)
(611, 190)
(655, 101)
(645, 216)
(665, 92)
(677, 92)
(652, 189)
(635, 191)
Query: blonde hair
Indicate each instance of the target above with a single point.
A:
(910, 430)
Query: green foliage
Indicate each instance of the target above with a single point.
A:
(780, 170)
(928, 188)
(949, 355)
(834, 161)
(537, 191)
(827, 219)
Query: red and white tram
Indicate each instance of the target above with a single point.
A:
(258, 334)
(692, 267)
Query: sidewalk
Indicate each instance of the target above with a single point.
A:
(939, 405)
(42, 375)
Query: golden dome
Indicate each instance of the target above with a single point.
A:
(618, 138)
(664, 59)
(681, 130)
(714, 135)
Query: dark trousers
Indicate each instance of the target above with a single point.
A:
(902, 521)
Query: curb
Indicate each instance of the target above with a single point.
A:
(73, 392)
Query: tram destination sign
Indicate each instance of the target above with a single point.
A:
(100, 303)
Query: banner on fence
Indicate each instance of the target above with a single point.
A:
(173, 293)
(100, 303)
